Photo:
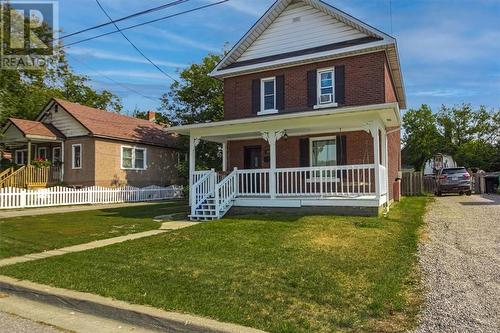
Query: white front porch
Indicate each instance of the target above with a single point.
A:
(212, 194)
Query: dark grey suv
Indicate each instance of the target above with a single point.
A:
(453, 180)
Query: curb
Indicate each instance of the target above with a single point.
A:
(138, 315)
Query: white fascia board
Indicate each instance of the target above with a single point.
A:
(186, 129)
(308, 58)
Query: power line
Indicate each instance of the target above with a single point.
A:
(147, 11)
(147, 22)
(134, 46)
(113, 80)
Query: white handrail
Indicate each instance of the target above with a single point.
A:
(202, 190)
(225, 192)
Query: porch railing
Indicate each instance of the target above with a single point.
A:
(31, 176)
(225, 192)
(202, 189)
(349, 180)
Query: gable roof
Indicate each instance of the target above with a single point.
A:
(367, 39)
(35, 128)
(111, 125)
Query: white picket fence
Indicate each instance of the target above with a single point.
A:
(11, 197)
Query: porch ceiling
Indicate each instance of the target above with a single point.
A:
(309, 122)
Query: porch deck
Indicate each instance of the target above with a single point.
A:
(212, 194)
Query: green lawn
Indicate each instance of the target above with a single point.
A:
(276, 273)
(31, 234)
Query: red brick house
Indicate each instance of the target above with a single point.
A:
(312, 100)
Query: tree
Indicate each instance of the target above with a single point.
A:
(470, 136)
(24, 92)
(421, 136)
(197, 98)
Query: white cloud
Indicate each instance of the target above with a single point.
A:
(183, 40)
(100, 54)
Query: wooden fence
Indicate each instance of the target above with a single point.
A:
(12, 197)
(415, 183)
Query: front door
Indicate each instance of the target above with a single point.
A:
(251, 183)
(253, 157)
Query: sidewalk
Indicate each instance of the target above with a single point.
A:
(165, 227)
(130, 314)
(67, 209)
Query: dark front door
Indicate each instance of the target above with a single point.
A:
(251, 182)
(253, 157)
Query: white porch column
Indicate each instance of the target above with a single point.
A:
(224, 156)
(376, 156)
(193, 142)
(28, 162)
(271, 138)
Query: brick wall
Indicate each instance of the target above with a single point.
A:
(359, 150)
(390, 92)
(365, 79)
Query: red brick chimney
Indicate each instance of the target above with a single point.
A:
(151, 116)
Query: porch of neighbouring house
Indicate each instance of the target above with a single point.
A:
(336, 158)
(36, 152)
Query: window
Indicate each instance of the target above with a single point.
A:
(21, 156)
(326, 88)
(323, 152)
(268, 96)
(133, 158)
(42, 153)
(56, 155)
(76, 158)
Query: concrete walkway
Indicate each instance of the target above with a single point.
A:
(21, 315)
(67, 209)
(165, 227)
(130, 314)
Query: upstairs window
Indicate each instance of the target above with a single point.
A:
(133, 158)
(326, 93)
(268, 96)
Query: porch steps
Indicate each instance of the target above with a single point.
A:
(208, 212)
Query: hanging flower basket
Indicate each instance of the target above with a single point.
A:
(41, 163)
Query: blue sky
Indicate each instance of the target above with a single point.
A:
(449, 49)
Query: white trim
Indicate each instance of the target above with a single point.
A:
(134, 149)
(263, 109)
(325, 106)
(46, 152)
(15, 156)
(318, 86)
(267, 112)
(184, 129)
(73, 146)
(323, 138)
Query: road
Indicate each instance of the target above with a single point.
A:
(460, 262)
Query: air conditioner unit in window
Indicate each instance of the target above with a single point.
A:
(325, 99)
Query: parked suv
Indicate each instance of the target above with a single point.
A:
(453, 180)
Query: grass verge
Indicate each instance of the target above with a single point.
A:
(276, 273)
(31, 234)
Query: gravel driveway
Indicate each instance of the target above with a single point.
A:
(460, 264)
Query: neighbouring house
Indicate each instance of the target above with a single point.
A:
(312, 100)
(83, 146)
(438, 162)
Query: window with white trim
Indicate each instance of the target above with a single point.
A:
(21, 156)
(323, 151)
(268, 96)
(326, 86)
(133, 158)
(56, 155)
(76, 156)
(43, 152)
